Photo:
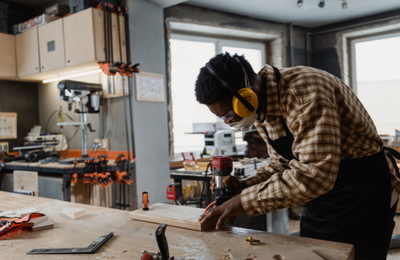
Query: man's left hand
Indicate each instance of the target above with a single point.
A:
(229, 209)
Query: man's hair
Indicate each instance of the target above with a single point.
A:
(209, 89)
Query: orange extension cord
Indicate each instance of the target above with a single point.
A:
(209, 206)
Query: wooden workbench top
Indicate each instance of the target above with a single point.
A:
(131, 237)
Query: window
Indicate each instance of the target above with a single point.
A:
(376, 79)
(188, 55)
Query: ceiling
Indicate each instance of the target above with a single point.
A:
(285, 11)
(29, 3)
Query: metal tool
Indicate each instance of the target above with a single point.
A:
(222, 167)
(88, 96)
(162, 245)
(90, 249)
(250, 241)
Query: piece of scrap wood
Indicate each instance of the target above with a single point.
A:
(287, 253)
(48, 224)
(26, 211)
(177, 216)
(37, 221)
(74, 213)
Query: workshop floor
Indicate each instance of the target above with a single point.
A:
(294, 226)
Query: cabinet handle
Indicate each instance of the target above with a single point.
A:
(68, 61)
(36, 68)
(42, 67)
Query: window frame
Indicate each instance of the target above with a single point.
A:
(353, 42)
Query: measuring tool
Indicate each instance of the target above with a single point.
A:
(90, 249)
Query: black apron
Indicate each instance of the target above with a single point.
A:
(357, 209)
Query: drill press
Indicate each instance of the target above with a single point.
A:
(222, 167)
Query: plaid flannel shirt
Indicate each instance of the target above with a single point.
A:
(328, 123)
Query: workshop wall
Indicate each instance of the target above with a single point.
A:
(22, 98)
(327, 52)
(50, 102)
(150, 118)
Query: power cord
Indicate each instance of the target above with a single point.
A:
(204, 183)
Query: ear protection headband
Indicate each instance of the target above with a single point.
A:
(244, 101)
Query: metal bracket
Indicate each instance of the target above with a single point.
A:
(90, 249)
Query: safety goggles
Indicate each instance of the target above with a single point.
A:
(228, 115)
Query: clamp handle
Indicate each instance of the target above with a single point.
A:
(162, 241)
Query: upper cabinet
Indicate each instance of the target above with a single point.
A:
(27, 53)
(51, 46)
(63, 47)
(84, 37)
(7, 54)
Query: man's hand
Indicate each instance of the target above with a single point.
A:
(232, 180)
(229, 209)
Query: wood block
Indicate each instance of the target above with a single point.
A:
(286, 253)
(48, 224)
(74, 213)
(37, 221)
(177, 216)
(25, 180)
(23, 212)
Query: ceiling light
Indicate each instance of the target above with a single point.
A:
(344, 4)
(321, 3)
(73, 75)
(299, 3)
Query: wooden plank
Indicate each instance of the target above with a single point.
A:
(38, 221)
(26, 211)
(287, 253)
(48, 224)
(74, 213)
(26, 180)
(177, 216)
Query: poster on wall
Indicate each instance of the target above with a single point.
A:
(149, 87)
(8, 125)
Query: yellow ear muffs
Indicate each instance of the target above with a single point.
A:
(250, 96)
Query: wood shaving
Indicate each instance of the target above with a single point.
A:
(225, 257)
(11, 244)
(125, 250)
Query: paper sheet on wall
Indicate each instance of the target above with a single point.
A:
(8, 125)
(149, 87)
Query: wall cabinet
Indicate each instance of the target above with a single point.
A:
(51, 46)
(84, 37)
(27, 53)
(7, 54)
(69, 45)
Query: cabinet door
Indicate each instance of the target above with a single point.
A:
(51, 46)
(7, 54)
(84, 37)
(28, 53)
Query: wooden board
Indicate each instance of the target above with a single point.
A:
(288, 253)
(74, 213)
(48, 224)
(25, 180)
(177, 216)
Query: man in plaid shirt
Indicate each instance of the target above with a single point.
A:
(324, 150)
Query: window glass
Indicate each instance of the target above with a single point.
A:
(378, 81)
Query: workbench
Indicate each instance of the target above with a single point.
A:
(131, 237)
(54, 168)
